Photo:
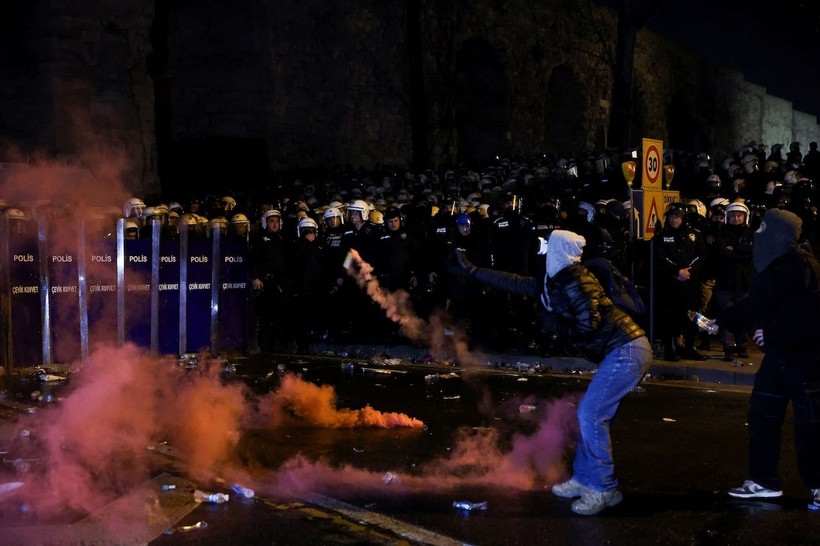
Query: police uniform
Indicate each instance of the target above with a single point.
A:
(677, 249)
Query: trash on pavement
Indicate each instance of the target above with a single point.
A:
(246, 492)
(216, 498)
(6, 488)
(185, 528)
(465, 505)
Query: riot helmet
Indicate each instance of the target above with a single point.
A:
(305, 227)
(358, 206)
(133, 208)
(733, 209)
(273, 213)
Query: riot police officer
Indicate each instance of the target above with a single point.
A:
(270, 253)
(680, 254)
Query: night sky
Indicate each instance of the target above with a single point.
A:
(775, 44)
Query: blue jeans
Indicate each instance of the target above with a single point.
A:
(617, 374)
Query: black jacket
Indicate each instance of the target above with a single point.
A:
(581, 309)
(733, 258)
(784, 301)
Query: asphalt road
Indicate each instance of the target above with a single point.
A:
(498, 437)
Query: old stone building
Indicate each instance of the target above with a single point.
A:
(197, 95)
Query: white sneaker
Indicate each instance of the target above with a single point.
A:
(593, 502)
(569, 489)
(753, 490)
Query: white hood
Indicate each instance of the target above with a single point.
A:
(564, 249)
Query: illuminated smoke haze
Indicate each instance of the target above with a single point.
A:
(92, 446)
(530, 463)
(88, 188)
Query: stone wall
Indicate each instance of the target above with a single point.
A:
(79, 90)
(252, 87)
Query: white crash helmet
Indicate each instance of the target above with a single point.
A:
(360, 206)
(267, 214)
(737, 207)
(133, 208)
(333, 212)
(306, 223)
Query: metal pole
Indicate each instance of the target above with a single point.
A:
(652, 291)
(6, 299)
(82, 283)
(45, 289)
(216, 235)
(121, 282)
(155, 235)
(183, 288)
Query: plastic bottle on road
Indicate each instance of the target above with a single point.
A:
(243, 491)
(216, 498)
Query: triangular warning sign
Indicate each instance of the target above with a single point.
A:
(652, 218)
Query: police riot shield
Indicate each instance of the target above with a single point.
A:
(22, 311)
(61, 265)
(233, 309)
(101, 281)
(198, 295)
(136, 296)
(169, 286)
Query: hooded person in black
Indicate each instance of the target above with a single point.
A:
(783, 311)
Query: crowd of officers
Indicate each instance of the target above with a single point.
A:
(408, 225)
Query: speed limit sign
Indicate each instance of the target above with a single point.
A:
(652, 163)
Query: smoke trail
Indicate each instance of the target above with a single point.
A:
(397, 307)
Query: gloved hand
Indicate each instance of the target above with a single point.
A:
(464, 262)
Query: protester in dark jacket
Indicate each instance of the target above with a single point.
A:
(578, 307)
(783, 311)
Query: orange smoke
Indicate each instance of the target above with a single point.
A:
(94, 442)
(317, 405)
(477, 460)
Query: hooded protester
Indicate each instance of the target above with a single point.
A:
(577, 307)
(783, 311)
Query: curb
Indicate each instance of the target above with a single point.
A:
(708, 372)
